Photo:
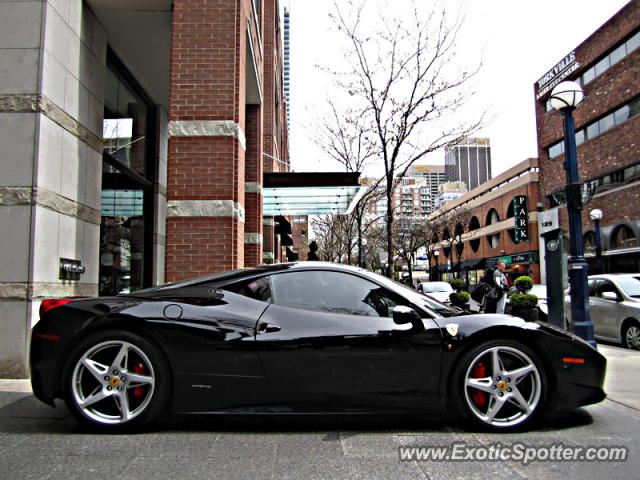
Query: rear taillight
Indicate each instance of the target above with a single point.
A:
(51, 303)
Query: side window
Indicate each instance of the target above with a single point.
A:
(607, 287)
(334, 292)
(593, 285)
(258, 289)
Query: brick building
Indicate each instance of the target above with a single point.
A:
(490, 234)
(607, 65)
(135, 137)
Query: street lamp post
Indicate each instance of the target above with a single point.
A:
(596, 215)
(436, 253)
(565, 97)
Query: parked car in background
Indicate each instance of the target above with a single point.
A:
(438, 290)
(615, 308)
(446, 310)
(540, 291)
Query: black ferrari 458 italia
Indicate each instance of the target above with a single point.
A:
(301, 338)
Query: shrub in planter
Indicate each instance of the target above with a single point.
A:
(524, 283)
(459, 299)
(457, 284)
(524, 306)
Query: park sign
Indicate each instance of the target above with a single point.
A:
(521, 216)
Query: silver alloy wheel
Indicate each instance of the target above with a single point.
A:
(103, 382)
(512, 392)
(632, 337)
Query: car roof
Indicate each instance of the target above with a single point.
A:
(615, 275)
(222, 278)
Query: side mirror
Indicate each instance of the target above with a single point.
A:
(403, 315)
(613, 296)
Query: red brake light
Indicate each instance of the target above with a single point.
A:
(51, 303)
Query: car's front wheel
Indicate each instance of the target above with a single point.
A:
(115, 379)
(499, 384)
(631, 335)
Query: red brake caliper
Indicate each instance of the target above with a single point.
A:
(139, 368)
(479, 398)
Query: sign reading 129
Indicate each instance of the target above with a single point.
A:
(521, 216)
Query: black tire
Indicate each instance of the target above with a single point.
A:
(505, 390)
(102, 395)
(631, 335)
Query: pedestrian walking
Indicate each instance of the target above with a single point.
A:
(501, 285)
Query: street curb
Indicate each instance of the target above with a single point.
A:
(15, 385)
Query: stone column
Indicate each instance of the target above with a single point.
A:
(52, 57)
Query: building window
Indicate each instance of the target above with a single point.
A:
(597, 127)
(623, 237)
(616, 178)
(590, 242)
(494, 239)
(474, 224)
(128, 170)
(611, 59)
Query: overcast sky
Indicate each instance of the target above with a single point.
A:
(519, 41)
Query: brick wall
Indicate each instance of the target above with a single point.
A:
(617, 147)
(207, 83)
(253, 195)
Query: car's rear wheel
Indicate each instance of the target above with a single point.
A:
(631, 335)
(500, 384)
(115, 379)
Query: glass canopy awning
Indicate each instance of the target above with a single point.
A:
(310, 193)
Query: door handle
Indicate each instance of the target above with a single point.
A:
(268, 328)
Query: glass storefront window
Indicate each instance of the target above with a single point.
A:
(121, 233)
(127, 186)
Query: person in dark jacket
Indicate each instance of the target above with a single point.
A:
(480, 293)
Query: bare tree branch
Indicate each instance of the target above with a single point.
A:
(405, 88)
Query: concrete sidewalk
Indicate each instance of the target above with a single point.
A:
(621, 384)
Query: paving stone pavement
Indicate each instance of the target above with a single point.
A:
(38, 442)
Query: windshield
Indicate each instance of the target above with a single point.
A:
(630, 285)
(433, 306)
(431, 287)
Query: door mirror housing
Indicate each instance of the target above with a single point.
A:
(613, 296)
(403, 315)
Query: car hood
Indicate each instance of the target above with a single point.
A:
(470, 324)
(482, 320)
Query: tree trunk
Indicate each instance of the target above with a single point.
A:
(359, 222)
(389, 221)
